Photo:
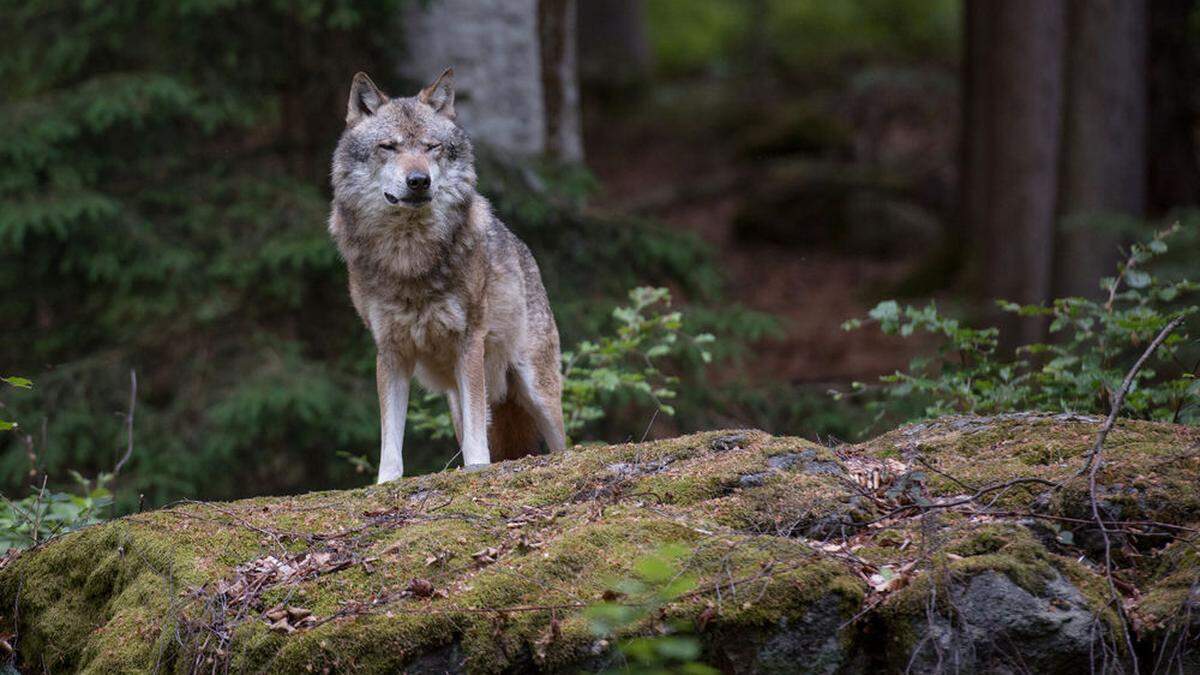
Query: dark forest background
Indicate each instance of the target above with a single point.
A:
(780, 165)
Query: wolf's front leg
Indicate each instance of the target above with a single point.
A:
(472, 397)
(392, 379)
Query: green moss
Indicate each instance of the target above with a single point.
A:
(96, 600)
(891, 537)
(1172, 588)
(373, 644)
(554, 532)
(1151, 457)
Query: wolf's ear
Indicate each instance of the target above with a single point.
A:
(365, 98)
(440, 94)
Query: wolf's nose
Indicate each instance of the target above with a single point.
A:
(418, 181)
(392, 199)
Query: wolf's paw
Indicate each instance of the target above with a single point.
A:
(385, 477)
(476, 468)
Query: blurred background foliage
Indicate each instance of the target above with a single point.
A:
(805, 37)
(779, 165)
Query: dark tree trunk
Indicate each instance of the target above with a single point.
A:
(1013, 141)
(979, 40)
(1174, 73)
(560, 84)
(1104, 131)
(614, 49)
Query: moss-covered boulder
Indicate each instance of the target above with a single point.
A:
(900, 553)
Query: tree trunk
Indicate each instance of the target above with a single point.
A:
(977, 151)
(1012, 157)
(1104, 153)
(560, 84)
(514, 65)
(1174, 73)
(614, 48)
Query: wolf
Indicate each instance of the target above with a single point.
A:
(450, 295)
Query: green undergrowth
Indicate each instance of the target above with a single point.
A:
(494, 571)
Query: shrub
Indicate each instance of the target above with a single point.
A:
(46, 513)
(1094, 343)
(627, 363)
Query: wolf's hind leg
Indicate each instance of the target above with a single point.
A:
(392, 380)
(540, 393)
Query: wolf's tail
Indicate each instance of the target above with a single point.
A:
(512, 433)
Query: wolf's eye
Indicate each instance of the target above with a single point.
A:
(432, 146)
(389, 146)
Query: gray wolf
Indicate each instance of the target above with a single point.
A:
(450, 295)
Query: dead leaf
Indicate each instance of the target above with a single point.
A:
(706, 616)
(486, 556)
(420, 588)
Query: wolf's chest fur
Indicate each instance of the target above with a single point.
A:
(409, 286)
(430, 330)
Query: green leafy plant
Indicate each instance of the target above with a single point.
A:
(635, 604)
(628, 362)
(46, 513)
(1093, 342)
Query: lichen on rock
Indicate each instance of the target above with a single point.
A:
(860, 558)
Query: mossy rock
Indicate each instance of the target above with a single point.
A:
(805, 558)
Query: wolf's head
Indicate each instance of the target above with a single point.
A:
(402, 156)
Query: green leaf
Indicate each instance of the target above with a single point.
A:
(888, 310)
(21, 382)
(1137, 279)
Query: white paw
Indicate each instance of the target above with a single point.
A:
(385, 476)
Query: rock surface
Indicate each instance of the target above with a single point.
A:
(862, 558)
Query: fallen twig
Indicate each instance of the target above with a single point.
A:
(1118, 399)
(1092, 465)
